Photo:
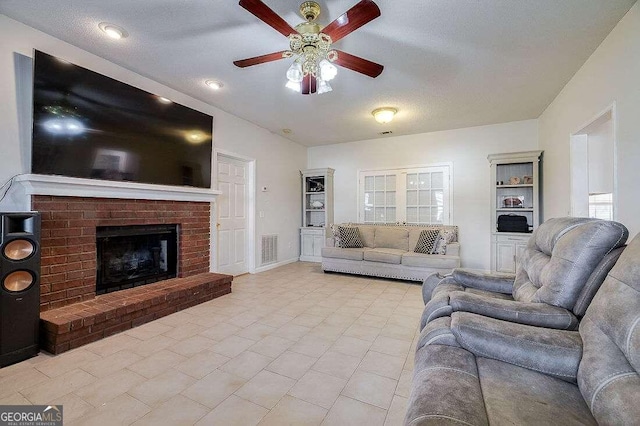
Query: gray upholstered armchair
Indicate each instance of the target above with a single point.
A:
(482, 371)
(560, 271)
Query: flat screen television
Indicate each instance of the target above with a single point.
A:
(88, 125)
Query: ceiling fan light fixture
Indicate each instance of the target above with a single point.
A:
(327, 70)
(113, 31)
(293, 85)
(294, 73)
(384, 115)
(323, 86)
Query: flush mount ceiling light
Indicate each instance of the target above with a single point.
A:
(311, 45)
(384, 115)
(113, 31)
(164, 100)
(214, 84)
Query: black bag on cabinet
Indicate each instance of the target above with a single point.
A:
(512, 223)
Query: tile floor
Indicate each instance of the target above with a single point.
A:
(290, 346)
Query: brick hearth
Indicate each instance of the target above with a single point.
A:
(68, 273)
(71, 315)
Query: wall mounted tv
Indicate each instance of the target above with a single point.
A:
(88, 125)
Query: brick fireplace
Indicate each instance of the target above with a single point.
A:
(73, 210)
(68, 273)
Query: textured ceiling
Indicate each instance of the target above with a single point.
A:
(448, 63)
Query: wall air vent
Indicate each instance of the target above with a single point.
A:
(269, 249)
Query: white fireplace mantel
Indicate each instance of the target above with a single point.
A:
(24, 186)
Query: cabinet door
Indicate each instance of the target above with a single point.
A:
(307, 244)
(318, 243)
(520, 247)
(505, 257)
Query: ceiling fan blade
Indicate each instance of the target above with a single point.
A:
(270, 57)
(309, 85)
(358, 64)
(268, 16)
(363, 12)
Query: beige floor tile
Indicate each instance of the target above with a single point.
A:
(294, 411)
(122, 410)
(312, 346)
(271, 346)
(350, 311)
(112, 344)
(397, 411)
(266, 388)
(328, 331)
(152, 345)
(391, 346)
(202, 363)
(109, 387)
(184, 331)
(214, 388)
(234, 411)
(404, 384)
(347, 411)
(178, 410)
(74, 407)
(351, 346)
(162, 387)
(340, 320)
(404, 321)
(307, 320)
(318, 388)
(149, 330)
(192, 345)
(177, 318)
(256, 331)
(221, 331)
(337, 364)
(292, 364)
(372, 321)
(363, 332)
(247, 364)
(232, 346)
(382, 364)
(292, 331)
(157, 363)
(23, 378)
(244, 319)
(44, 392)
(15, 398)
(59, 365)
(371, 388)
(398, 332)
(276, 320)
(111, 364)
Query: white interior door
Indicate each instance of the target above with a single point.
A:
(232, 216)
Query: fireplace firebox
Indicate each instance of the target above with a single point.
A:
(131, 256)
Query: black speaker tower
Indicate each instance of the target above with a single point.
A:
(19, 286)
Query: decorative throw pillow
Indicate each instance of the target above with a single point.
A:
(446, 236)
(335, 230)
(350, 237)
(427, 241)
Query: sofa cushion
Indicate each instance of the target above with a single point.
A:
(427, 241)
(343, 253)
(428, 260)
(517, 396)
(393, 238)
(350, 237)
(367, 235)
(447, 236)
(384, 255)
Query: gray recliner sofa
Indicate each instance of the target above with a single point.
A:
(562, 267)
(497, 372)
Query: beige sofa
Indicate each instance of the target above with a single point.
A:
(389, 252)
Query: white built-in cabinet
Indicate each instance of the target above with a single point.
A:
(515, 189)
(317, 212)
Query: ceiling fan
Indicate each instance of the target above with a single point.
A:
(311, 44)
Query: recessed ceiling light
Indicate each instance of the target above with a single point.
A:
(113, 31)
(164, 100)
(384, 115)
(214, 84)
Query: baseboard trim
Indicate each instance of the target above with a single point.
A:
(274, 265)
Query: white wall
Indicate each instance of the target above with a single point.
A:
(466, 148)
(610, 75)
(600, 158)
(278, 159)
